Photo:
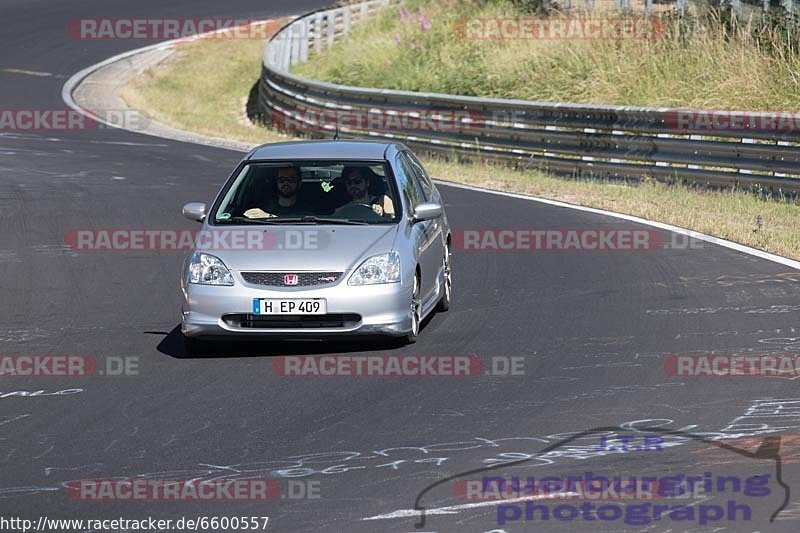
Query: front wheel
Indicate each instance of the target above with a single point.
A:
(416, 310)
(447, 297)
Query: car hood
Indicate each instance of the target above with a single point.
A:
(298, 248)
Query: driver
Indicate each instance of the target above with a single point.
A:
(288, 185)
(357, 181)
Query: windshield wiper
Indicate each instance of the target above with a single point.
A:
(319, 220)
(239, 220)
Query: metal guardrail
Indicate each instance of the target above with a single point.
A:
(316, 31)
(600, 141)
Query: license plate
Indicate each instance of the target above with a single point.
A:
(274, 306)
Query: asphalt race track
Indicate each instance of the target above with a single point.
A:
(594, 328)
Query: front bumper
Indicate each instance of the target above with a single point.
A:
(213, 311)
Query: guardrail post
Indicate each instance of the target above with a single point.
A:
(744, 170)
(305, 28)
(278, 57)
(275, 52)
(648, 7)
(331, 18)
(567, 5)
(694, 137)
(781, 174)
(346, 20)
(294, 56)
(286, 45)
(271, 54)
(318, 33)
(682, 7)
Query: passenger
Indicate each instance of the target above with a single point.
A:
(288, 202)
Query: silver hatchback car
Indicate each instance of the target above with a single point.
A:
(315, 239)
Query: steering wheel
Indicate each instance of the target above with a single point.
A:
(358, 211)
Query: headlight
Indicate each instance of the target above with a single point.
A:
(206, 269)
(384, 268)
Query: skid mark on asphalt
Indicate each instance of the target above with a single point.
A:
(38, 393)
(53, 250)
(9, 256)
(617, 390)
(734, 333)
(772, 309)
(790, 278)
(601, 365)
(24, 72)
(713, 455)
(17, 490)
(10, 419)
(790, 513)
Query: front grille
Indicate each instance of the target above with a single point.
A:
(304, 279)
(331, 320)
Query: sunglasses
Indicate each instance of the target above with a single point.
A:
(353, 181)
(288, 179)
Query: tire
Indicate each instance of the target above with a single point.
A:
(447, 297)
(416, 312)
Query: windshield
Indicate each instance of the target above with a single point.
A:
(309, 192)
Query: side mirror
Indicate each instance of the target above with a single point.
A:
(427, 211)
(194, 211)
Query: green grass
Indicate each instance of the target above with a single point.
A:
(697, 64)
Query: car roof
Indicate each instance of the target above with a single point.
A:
(324, 149)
